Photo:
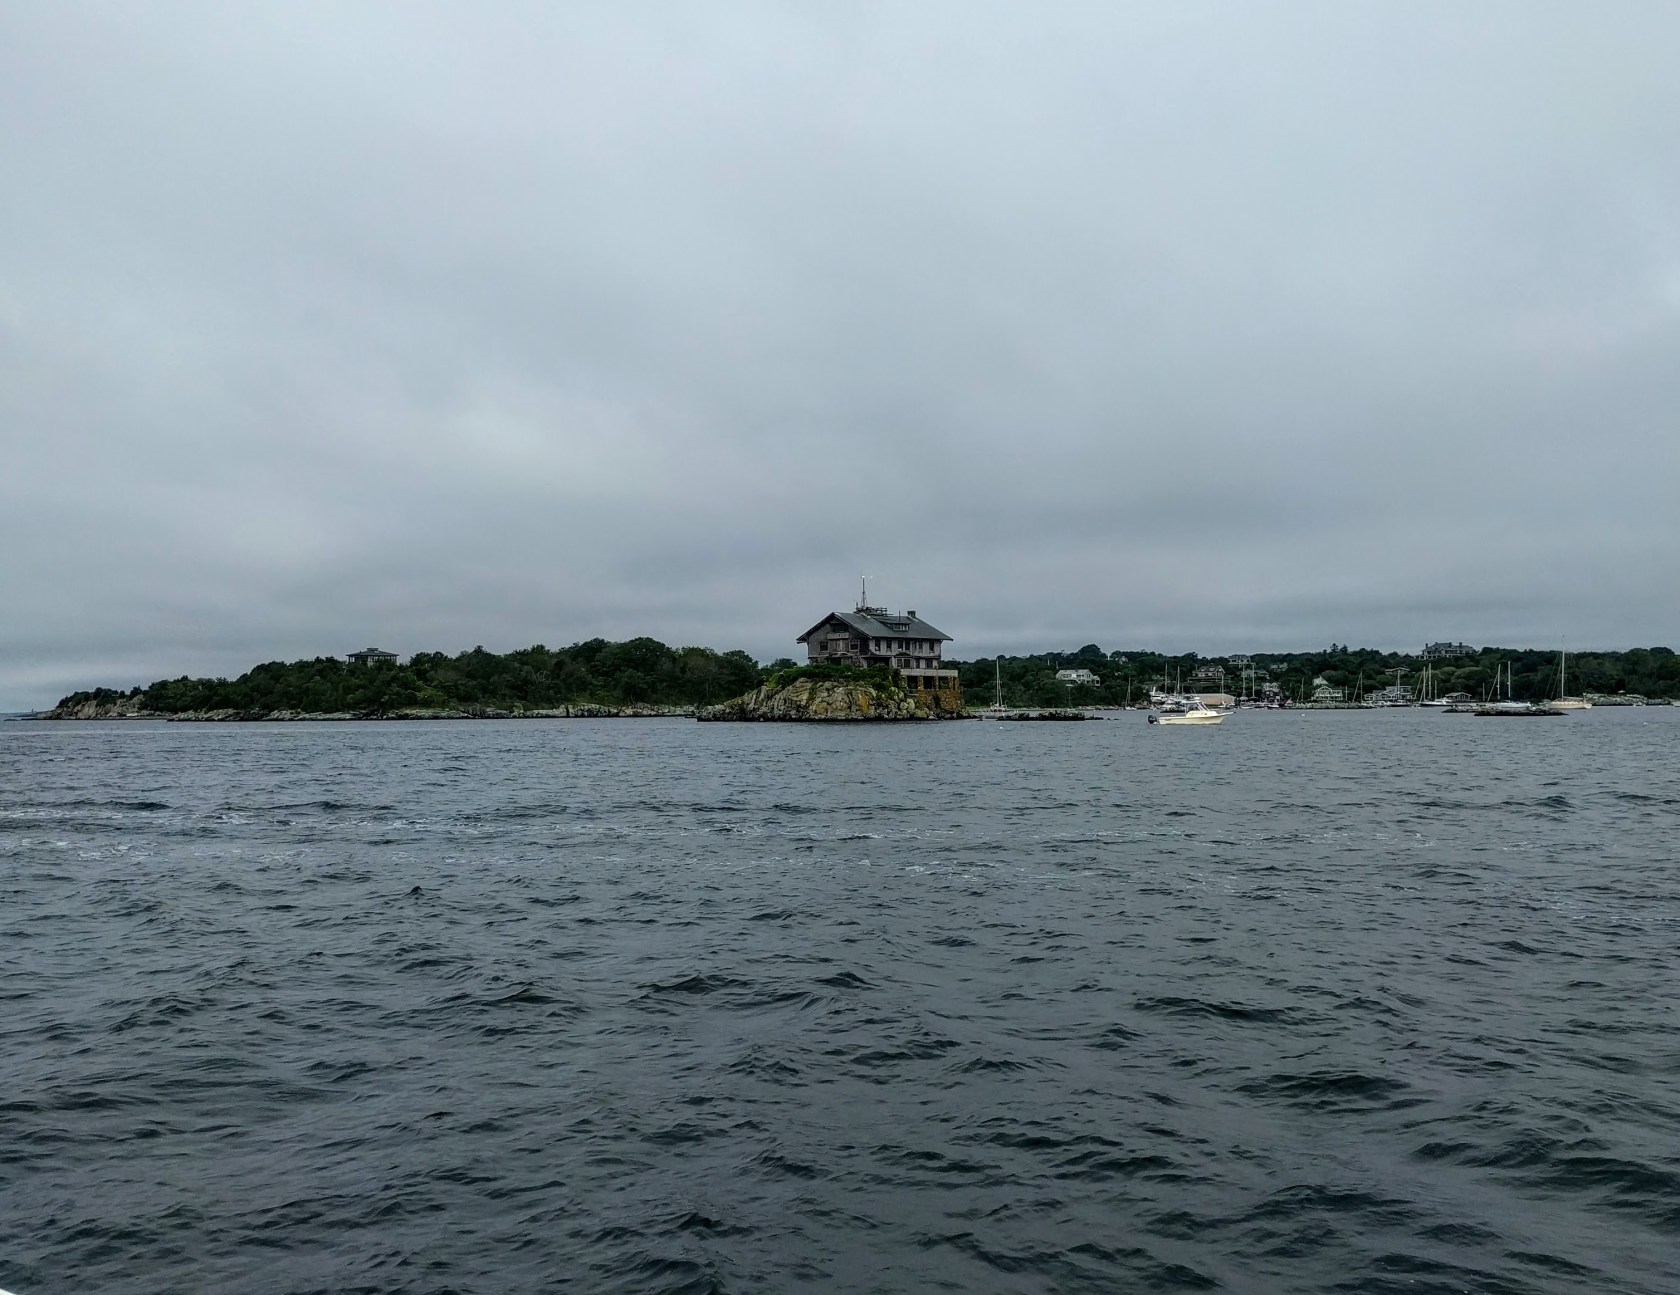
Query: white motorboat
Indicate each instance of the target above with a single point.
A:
(1194, 712)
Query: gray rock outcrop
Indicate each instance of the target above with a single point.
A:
(817, 700)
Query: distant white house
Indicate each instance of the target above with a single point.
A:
(1323, 691)
(1075, 678)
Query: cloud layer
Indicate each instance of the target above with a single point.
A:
(1179, 326)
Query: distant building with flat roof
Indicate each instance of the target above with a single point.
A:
(371, 656)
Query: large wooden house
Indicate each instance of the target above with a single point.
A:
(874, 636)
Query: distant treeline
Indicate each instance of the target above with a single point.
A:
(639, 672)
(1031, 680)
(645, 672)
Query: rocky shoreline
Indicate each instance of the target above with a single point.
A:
(824, 701)
(126, 711)
(803, 700)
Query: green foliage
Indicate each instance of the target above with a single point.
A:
(647, 672)
(1129, 675)
(642, 671)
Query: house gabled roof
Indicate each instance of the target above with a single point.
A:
(879, 624)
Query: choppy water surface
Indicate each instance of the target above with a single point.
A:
(1313, 1002)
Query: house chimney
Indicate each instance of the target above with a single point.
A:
(911, 613)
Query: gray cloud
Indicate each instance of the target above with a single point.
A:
(1179, 326)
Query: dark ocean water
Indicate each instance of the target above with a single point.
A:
(1358, 1002)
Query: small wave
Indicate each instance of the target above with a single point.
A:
(1086, 1265)
(1170, 1006)
(1631, 1183)
(1101, 1166)
(926, 1048)
(1644, 798)
(1312, 1198)
(524, 996)
(1332, 1090)
(165, 1009)
(1115, 1037)
(845, 980)
(993, 1065)
(705, 1224)
(761, 1065)
(698, 983)
(661, 1275)
(787, 1167)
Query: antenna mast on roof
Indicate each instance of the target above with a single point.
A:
(863, 593)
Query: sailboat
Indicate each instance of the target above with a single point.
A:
(1564, 702)
(1509, 708)
(1426, 694)
(997, 707)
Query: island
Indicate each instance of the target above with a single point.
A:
(866, 664)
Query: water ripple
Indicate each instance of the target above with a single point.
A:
(1374, 1004)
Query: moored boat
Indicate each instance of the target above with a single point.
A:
(1563, 701)
(1192, 713)
(1510, 708)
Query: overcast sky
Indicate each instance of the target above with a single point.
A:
(1202, 327)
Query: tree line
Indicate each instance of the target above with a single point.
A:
(646, 672)
(642, 671)
(1127, 676)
